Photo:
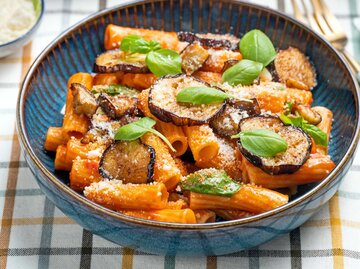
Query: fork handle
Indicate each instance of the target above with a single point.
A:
(353, 64)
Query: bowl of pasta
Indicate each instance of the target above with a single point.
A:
(189, 127)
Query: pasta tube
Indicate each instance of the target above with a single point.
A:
(204, 216)
(230, 214)
(316, 168)
(61, 163)
(165, 170)
(54, 138)
(117, 196)
(175, 135)
(249, 198)
(75, 124)
(202, 142)
(138, 81)
(83, 173)
(166, 215)
(114, 34)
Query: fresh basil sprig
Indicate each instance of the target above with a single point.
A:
(137, 129)
(263, 143)
(210, 181)
(160, 61)
(136, 44)
(256, 46)
(244, 73)
(201, 95)
(163, 62)
(319, 136)
(204, 95)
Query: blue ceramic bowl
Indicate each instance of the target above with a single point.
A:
(43, 95)
(14, 45)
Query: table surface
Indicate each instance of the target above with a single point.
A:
(35, 234)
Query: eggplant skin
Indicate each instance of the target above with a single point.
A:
(210, 40)
(294, 69)
(84, 101)
(124, 160)
(279, 164)
(193, 57)
(228, 64)
(115, 60)
(166, 115)
(117, 106)
(227, 124)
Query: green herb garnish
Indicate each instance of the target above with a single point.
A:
(263, 143)
(201, 95)
(137, 44)
(210, 181)
(319, 136)
(163, 62)
(204, 95)
(137, 129)
(244, 73)
(160, 61)
(256, 46)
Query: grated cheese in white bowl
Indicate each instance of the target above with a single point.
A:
(16, 18)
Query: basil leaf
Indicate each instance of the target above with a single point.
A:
(163, 62)
(210, 181)
(136, 44)
(292, 120)
(201, 95)
(316, 133)
(244, 73)
(319, 136)
(263, 143)
(256, 46)
(137, 129)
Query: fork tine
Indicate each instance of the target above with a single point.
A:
(311, 19)
(332, 21)
(317, 9)
(297, 12)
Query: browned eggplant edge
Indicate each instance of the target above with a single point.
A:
(150, 167)
(279, 169)
(167, 116)
(124, 67)
(236, 104)
(207, 42)
(110, 109)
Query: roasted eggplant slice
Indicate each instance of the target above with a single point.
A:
(307, 113)
(84, 101)
(117, 106)
(226, 41)
(107, 125)
(228, 64)
(115, 60)
(227, 124)
(129, 161)
(163, 104)
(193, 57)
(294, 69)
(298, 151)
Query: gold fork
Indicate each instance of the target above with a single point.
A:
(323, 21)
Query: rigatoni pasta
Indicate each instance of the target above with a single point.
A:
(169, 131)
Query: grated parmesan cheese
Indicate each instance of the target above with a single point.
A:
(16, 18)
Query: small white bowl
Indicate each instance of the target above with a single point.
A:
(16, 44)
